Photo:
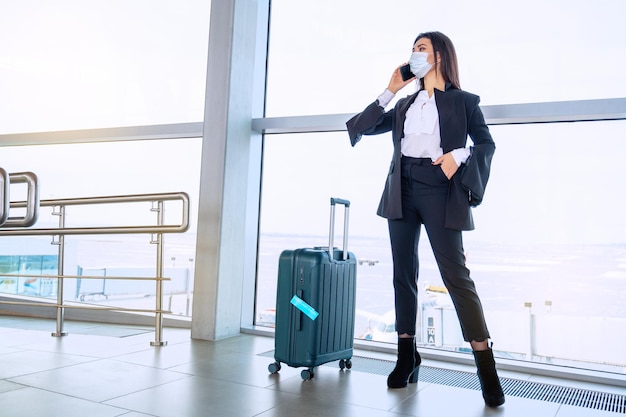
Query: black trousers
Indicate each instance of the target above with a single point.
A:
(424, 195)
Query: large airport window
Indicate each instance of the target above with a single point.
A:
(343, 55)
(72, 66)
(547, 254)
(118, 169)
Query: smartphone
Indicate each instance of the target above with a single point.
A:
(406, 73)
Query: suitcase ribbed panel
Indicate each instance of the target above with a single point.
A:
(328, 341)
(337, 326)
(337, 308)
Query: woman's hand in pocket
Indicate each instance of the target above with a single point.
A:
(447, 164)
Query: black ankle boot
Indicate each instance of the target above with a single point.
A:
(405, 366)
(416, 371)
(488, 377)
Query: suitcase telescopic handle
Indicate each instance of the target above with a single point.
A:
(333, 202)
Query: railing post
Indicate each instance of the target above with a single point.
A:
(158, 327)
(60, 310)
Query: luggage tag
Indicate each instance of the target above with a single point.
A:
(301, 305)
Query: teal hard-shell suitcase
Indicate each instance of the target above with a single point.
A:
(315, 304)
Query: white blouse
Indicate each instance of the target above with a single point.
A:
(422, 138)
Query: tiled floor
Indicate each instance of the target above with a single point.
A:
(105, 371)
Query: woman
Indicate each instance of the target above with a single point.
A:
(433, 180)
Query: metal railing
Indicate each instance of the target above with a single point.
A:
(4, 196)
(31, 204)
(22, 227)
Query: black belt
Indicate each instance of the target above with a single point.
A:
(416, 161)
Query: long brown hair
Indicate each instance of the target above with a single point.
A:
(442, 45)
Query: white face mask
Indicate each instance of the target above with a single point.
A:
(419, 64)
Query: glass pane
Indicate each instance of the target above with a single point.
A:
(547, 254)
(508, 53)
(75, 65)
(99, 170)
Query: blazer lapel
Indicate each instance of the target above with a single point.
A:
(401, 115)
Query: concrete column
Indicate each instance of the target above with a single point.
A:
(229, 184)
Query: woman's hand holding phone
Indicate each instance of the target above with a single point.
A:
(397, 81)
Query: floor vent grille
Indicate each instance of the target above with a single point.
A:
(512, 387)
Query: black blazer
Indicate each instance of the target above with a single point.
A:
(459, 116)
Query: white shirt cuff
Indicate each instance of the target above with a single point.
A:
(460, 155)
(385, 98)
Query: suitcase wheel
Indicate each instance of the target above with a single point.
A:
(274, 367)
(345, 364)
(307, 374)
